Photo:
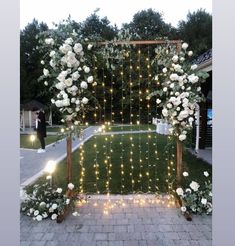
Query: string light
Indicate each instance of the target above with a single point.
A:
(131, 122)
(138, 123)
(96, 164)
(121, 143)
(148, 114)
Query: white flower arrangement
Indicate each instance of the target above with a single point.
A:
(47, 202)
(178, 90)
(196, 198)
(68, 74)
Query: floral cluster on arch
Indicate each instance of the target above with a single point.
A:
(68, 74)
(179, 91)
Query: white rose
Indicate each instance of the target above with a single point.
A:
(75, 76)
(42, 62)
(68, 82)
(54, 216)
(66, 102)
(165, 89)
(45, 72)
(204, 201)
(77, 109)
(90, 79)
(36, 212)
(190, 53)
(70, 186)
(52, 53)
(177, 93)
(194, 66)
(210, 194)
(184, 46)
(164, 70)
(175, 58)
(206, 173)
(68, 41)
(84, 85)
(182, 137)
(84, 100)
(193, 78)
(183, 209)
(59, 190)
(65, 48)
(73, 100)
(194, 186)
(158, 101)
(54, 206)
(86, 69)
(182, 59)
(49, 41)
(174, 76)
(185, 174)
(191, 119)
(52, 63)
(67, 201)
(199, 88)
(42, 204)
(180, 191)
(165, 112)
(172, 85)
(178, 108)
(76, 123)
(65, 95)
(89, 47)
(169, 105)
(39, 218)
(45, 83)
(77, 48)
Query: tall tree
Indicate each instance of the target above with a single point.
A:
(30, 58)
(149, 25)
(97, 28)
(197, 31)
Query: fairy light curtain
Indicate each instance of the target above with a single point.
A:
(125, 86)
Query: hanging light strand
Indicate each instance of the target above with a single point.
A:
(96, 164)
(131, 122)
(148, 121)
(122, 135)
(140, 178)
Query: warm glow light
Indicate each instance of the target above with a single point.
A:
(32, 138)
(50, 167)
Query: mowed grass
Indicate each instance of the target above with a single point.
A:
(143, 127)
(25, 141)
(157, 170)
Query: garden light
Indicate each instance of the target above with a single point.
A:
(32, 138)
(50, 167)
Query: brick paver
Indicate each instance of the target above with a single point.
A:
(122, 226)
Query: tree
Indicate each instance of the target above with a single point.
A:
(30, 67)
(98, 29)
(197, 31)
(149, 24)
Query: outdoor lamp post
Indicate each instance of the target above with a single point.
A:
(50, 168)
(32, 138)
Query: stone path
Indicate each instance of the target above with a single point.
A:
(135, 221)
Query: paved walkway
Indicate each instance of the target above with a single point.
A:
(204, 154)
(142, 221)
(32, 163)
(134, 220)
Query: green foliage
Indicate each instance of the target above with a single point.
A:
(197, 31)
(30, 67)
(149, 25)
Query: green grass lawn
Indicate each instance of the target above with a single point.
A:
(26, 143)
(158, 165)
(128, 128)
